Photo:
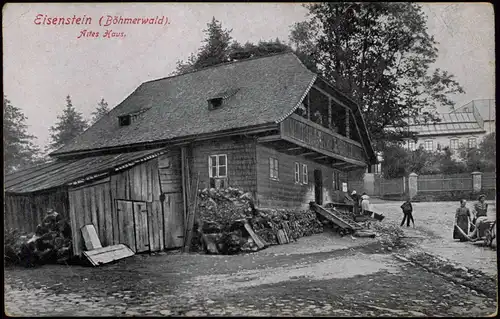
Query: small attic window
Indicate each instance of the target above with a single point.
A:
(214, 103)
(124, 120)
(216, 100)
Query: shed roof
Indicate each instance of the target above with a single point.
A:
(63, 172)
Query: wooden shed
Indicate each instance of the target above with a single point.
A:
(131, 198)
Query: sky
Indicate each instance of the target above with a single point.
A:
(44, 63)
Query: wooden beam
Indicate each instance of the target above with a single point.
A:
(269, 138)
(294, 148)
(184, 184)
(309, 153)
(338, 164)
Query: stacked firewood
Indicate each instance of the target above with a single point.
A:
(222, 215)
(51, 243)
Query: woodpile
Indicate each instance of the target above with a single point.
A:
(51, 243)
(229, 223)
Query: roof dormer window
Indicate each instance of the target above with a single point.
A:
(124, 120)
(217, 100)
(214, 103)
(127, 119)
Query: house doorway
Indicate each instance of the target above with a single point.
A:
(318, 187)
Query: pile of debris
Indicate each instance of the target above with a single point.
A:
(51, 243)
(228, 223)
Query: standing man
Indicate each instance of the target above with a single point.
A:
(407, 212)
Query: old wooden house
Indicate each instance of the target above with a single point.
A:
(267, 125)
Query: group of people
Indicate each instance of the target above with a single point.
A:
(361, 204)
(467, 222)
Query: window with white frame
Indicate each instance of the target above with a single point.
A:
(454, 144)
(305, 179)
(218, 165)
(428, 145)
(273, 168)
(472, 142)
(411, 145)
(297, 172)
(217, 170)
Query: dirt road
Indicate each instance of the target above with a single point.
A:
(434, 223)
(321, 275)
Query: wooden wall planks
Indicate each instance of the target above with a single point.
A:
(25, 212)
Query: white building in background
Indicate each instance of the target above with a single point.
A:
(464, 127)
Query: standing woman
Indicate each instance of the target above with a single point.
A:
(462, 222)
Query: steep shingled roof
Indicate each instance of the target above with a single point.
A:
(268, 88)
(255, 92)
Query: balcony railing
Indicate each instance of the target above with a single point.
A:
(298, 128)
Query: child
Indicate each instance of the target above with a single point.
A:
(407, 211)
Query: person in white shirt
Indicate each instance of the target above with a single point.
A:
(365, 205)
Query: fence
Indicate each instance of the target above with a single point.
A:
(489, 180)
(426, 184)
(449, 182)
(396, 186)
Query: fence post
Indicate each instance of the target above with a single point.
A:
(412, 185)
(476, 181)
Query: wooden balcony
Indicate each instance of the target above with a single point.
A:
(310, 135)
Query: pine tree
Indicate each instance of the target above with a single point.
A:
(19, 149)
(70, 124)
(101, 110)
(214, 51)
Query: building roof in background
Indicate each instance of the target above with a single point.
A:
(451, 123)
(485, 107)
(64, 172)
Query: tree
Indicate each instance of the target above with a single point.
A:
(380, 54)
(213, 52)
(70, 124)
(482, 158)
(19, 148)
(101, 110)
(218, 48)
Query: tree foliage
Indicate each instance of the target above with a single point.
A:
(215, 49)
(70, 124)
(218, 47)
(380, 54)
(399, 161)
(19, 148)
(101, 110)
(482, 158)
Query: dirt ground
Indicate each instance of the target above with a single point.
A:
(315, 276)
(434, 222)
